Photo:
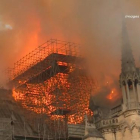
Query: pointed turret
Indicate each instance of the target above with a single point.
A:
(128, 63)
(130, 75)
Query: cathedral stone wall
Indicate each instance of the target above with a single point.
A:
(127, 135)
(94, 138)
(135, 134)
(119, 135)
(128, 127)
(109, 136)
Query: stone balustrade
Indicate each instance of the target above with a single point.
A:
(107, 122)
(133, 105)
(116, 109)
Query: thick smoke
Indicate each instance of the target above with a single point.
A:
(96, 24)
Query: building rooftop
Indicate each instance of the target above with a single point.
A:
(11, 114)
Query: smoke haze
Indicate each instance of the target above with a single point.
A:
(95, 24)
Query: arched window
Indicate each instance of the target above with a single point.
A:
(113, 121)
(123, 82)
(106, 122)
(125, 89)
(135, 82)
(130, 84)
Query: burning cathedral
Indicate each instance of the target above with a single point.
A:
(51, 95)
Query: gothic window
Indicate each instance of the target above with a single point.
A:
(123, 83)
(106, 122)
(113, 121)
(135, 82)
(130, 84)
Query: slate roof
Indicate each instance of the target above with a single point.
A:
(9, 110)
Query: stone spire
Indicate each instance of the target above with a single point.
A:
(128, 63)
(129, 75)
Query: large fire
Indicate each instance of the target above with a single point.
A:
(113, 95)
(64, 94)
(41, 98)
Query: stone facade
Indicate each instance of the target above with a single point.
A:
(123, 122)
(91, 133)
(124, 127)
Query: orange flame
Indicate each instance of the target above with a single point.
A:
(39, 99)
(112, 95)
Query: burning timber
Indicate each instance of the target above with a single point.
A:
(51, 84)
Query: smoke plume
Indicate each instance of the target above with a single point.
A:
(95, 24)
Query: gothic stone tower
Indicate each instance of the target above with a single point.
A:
(130, 75)
(123, 121)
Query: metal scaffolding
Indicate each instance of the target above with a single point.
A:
(52, 83)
